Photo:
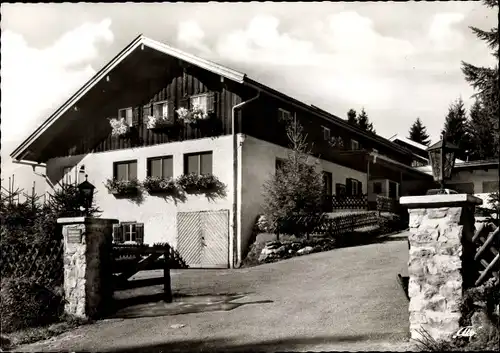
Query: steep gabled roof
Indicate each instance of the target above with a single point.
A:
(101, 74)
(409, 142)
(23, 149)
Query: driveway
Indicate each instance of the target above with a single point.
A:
(344, 299)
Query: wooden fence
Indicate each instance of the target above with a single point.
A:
(358, 202)
(487, 239)
(324, 226)
(40, 262)
(128, 259)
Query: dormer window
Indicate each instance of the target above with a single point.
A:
(127, 114)
(326, 133)
(283, 115)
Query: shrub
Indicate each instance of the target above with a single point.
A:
(296, 189)
(26, 304)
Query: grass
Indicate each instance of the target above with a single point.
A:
(34, 334)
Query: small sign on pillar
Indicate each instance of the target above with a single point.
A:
(75, 236)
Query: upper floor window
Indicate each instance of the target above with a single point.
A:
(326, 133)
(160, 167)
(354, 145)
(160, 109)
(125, 170)
(198, 163)
(284, 115)
(68, 176)
(279, 163)
(127, 114)
(205, 101)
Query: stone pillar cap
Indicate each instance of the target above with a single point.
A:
(445, 200)
(70, 220)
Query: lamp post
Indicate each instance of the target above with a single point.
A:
(86, 191)
(442, 157)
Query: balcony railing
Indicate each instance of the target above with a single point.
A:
(345, 202)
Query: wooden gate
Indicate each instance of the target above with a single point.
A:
(203, 238)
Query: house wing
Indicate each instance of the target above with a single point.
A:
(141, 41)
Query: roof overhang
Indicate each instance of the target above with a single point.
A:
(23, 150)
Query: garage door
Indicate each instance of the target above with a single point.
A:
(203, 238)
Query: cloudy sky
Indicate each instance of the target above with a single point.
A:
(399, 61)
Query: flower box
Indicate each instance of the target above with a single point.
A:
(158, 123)
(191, 116)
(160, 185)
(122, 187)
(198, 184)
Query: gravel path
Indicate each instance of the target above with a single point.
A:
(344, 299)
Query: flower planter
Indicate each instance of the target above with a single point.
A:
(128, 192)
(159, 190)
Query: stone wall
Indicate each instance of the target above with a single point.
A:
(87, 265)
(440, 268)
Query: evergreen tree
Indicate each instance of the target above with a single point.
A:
(481, 133)
(485, 80)
(351, 117)
(418, 133)
(364, 123)
(456, 129)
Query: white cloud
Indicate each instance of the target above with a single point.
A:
(191, 35)
(441, 34)
(261, 42)
(36, 81)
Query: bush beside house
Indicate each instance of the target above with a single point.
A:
(32, 262)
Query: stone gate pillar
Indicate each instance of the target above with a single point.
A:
(441, 261)
(87, 265)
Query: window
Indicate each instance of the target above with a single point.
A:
(353, 187)
(200, 100)
(327, 183)
(127, 114)
(279, 163)
(377, 187)
(198, 163)
(161, 167)
(68, 176)
(354, 145)
(374, 150)
(125, 170)
(340, 189)
(490, 186)
(160, 109)
(128, 232)
(326, 133)
(283, 115)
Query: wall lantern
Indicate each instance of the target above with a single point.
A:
(442, 157)
(86, 191)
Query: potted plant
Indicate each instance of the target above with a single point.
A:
(160, 185)
(119, 127)
(122, 187)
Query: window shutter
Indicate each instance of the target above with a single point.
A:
(124, 228)
(360, 188)
(139, 237)
(338, 189)
(211, 103)
(135, 116)
(146, 110)
(348, 186)
(170, 111)
(117, 233)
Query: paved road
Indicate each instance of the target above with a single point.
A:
(344, 299)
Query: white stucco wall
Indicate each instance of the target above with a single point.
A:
(477, 177)
(158, 215)
(258, 164)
